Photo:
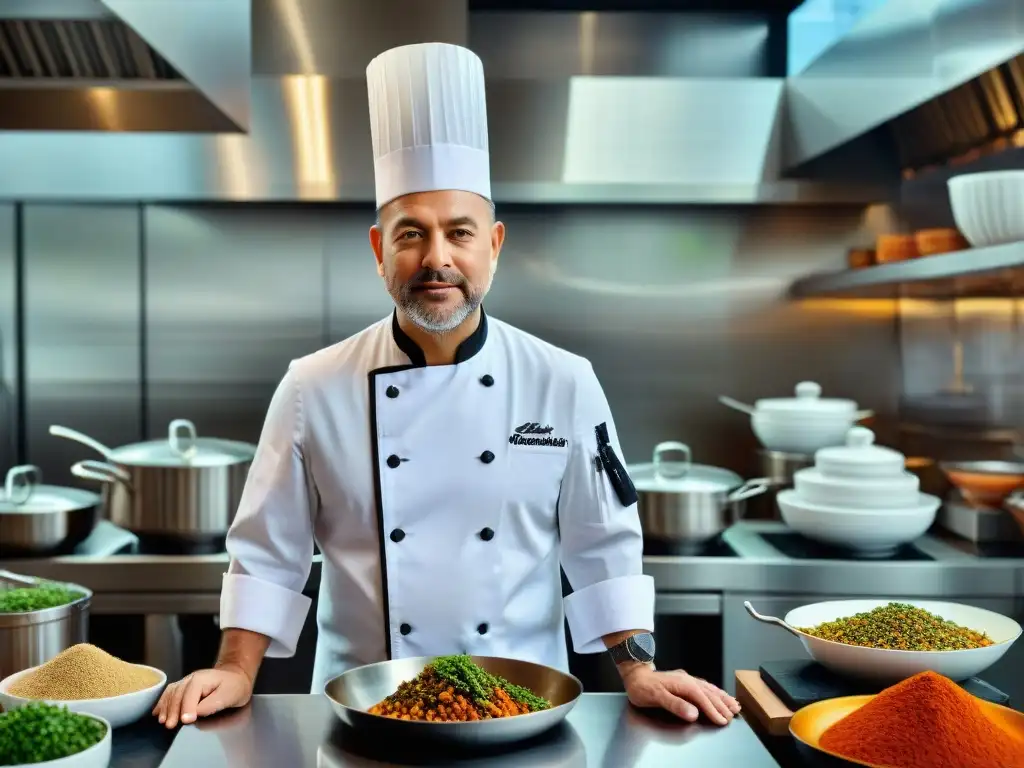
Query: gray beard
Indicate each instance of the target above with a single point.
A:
(436, 322)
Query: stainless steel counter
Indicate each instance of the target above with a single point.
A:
(603, 731)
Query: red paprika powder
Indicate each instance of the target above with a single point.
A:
(926, 721)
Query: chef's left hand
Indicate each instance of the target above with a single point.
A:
(678, 692)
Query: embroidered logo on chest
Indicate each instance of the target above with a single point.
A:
(534, 433)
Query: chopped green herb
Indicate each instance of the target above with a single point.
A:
(464, 675)
(40, 732)
(46, 595)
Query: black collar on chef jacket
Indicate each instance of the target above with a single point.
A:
(465, 350)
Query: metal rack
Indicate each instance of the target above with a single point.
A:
(995, 271)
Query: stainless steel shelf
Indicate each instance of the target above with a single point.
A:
(977, 272)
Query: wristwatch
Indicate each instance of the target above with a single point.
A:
(639, 647)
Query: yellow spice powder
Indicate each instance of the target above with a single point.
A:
(84, 672)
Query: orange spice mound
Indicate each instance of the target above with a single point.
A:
(926, 721)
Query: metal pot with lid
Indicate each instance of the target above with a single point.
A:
(185, 488)
(686, 504)
(38, 519)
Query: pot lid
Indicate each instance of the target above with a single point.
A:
(680, 476)
(808, 400)
(860, 451)
(23, 494)
(183, 448)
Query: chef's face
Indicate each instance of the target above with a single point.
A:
(437, 252)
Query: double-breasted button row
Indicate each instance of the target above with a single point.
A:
(391, 392)
(486, 457)
(394, 461)
(398, 535)
(406, 629)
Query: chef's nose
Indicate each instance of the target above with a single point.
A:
(436, 255)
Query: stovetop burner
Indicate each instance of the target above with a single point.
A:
(799, 547)
(716, 547)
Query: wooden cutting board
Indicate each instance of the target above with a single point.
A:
(760, 704)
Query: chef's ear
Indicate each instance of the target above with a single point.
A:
(380, 269)
(377, 244)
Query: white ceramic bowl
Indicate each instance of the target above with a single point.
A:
(892, 666)
(800, 435)
(96, 756)
(900, 492)
(988, 207)
(116, 710)
(870, 532)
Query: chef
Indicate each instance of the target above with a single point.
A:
(446, 463)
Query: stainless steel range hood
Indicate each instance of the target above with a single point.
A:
(554, 138)
(929, 74)
(125, 65)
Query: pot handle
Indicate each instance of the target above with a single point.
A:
(78, 437)
(184, 448)
(749, 489)
(21, 482)
(671, 445)
(101, 471)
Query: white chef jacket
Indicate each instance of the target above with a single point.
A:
(443, 499)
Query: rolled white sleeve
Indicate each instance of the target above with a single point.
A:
(271, 539)
(601, 539)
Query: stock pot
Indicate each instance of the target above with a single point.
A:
(185, 488)
(686, 505)
(38, 519)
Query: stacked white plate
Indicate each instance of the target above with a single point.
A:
(860, 497)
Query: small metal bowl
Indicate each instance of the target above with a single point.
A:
(354, 692)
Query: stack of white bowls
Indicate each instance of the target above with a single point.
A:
(805, 423)
(859, 497)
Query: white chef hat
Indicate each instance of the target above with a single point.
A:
(428, 121)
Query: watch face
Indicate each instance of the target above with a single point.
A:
(641, 647)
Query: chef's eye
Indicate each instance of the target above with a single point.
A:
(408, 234)
(462, 234)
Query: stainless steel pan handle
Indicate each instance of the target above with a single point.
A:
(772, 620)
(750, 489)
(21, 482)
(101, 471)
(78, 437)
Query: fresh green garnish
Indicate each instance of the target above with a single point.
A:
(464, 675)
(39, 732)
(46, 595)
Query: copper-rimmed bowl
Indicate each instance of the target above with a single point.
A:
(354, 692)
(985, 483)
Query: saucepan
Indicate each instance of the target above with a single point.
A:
(685, 505)
(38, 519)
(185, 487)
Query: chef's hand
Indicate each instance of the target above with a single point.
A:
(203, 693)
(678, 693)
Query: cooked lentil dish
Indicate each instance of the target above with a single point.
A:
(900, 627)
(39, 733)
(83, 671)
(454, 689)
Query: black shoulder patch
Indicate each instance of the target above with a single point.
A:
(609, 462)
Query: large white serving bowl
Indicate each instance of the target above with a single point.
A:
(96, 756)
(892, 666)
(988, 207)
(116, 710)
(870, 532)
(800, 435)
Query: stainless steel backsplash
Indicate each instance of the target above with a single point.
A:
(135, 315)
